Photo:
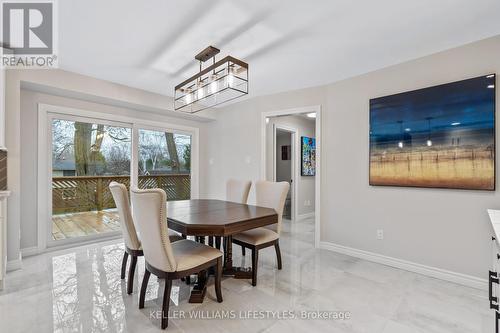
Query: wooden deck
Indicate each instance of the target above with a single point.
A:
(73, 225)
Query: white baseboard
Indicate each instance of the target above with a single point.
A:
(30, 251)
(14, 265)
(304, 216)
(438, 273)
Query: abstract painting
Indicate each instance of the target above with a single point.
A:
(439, 137)
(308, 165)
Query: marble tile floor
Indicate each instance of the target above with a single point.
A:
(80, 290)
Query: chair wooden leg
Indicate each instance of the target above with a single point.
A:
(131, 271)
(243, 251)
(255, 260)
(144, 287)
(278, 254)
(166, 303)
(124, 264)
(218, 278)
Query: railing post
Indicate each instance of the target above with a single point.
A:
(159, 182)
(99, 194)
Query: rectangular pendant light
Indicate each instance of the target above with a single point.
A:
(218, 83)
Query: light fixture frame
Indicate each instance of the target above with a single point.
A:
(189, 86)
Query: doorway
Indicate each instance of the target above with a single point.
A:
(284, 164)
(291, 152)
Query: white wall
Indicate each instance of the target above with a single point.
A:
(21, 133)
(305, 185)
(447, 229)
(234, 145)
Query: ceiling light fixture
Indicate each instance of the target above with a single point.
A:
(491, 86)
(311, 115)
(455, 123)
(224, 80)
(490, 76)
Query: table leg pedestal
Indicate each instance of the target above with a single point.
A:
(199, 289)
(229, 269)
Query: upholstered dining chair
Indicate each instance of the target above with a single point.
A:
(132, 242)
(163, 258)
(271, 195)
(133, 246)
(236, 191)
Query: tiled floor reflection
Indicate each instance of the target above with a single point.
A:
(80, 290)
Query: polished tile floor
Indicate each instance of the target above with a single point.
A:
(79, 290)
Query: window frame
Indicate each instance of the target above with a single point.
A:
(47, 113)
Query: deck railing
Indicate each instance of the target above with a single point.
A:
(85, 193)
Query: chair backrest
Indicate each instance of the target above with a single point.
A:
(237, 190)
(120, 195)
(150, 216)
(272, 195)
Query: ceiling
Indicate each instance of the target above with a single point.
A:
(289, 44)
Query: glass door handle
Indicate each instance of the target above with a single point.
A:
(492, 278)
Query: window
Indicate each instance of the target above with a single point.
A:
(86, 157)
(164, 161)
(81, 152)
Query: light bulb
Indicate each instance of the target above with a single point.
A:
(400, 144)
(201, 92)
(213, 87)
(188, 98)
(429, 143)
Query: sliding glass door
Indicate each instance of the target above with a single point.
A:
(86, 157)
(87, 154)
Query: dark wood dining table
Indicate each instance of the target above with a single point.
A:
(205, 217)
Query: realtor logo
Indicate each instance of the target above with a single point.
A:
(27, 27)
(28, 32)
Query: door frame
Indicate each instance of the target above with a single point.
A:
(46, 113)
(294, 172)
(317, 183)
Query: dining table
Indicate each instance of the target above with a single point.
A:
(217, 218)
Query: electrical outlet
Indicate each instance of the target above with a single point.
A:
(380, 234)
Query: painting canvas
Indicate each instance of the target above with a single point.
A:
(308, 156)
(286, 153)
(440, 137)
